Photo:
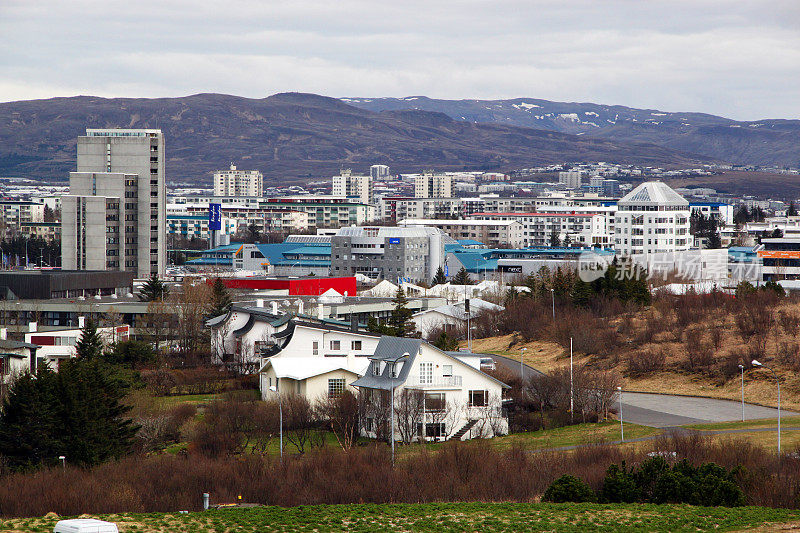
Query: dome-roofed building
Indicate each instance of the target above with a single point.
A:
(652, 218)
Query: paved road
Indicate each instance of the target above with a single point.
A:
(665, 410)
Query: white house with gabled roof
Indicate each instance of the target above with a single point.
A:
(434, 394)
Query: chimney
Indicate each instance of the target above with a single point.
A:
(81, 321)
(299, 307)
(274, 308)
(259, 303)
(319, 311)
(3, 333)
(32, 327)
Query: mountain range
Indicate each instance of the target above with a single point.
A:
(295, 136)
(763, 142)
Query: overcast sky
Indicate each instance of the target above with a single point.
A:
(736, 58)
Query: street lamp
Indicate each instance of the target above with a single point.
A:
(274, 388)
(621, 427)
(521, 364)
(63, 460)
(741, 369)
(391, 405)
(757, 364)
(553, 294)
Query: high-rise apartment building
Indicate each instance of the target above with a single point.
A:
(114, 217)
(379, 171)
(233, 182)
(349, 185)
(428, 185)
(571, 178)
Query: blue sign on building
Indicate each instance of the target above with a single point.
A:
(214, 217)
(394, 240)
(446, 270)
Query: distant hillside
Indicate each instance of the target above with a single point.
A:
(294, 135)
(764, 142)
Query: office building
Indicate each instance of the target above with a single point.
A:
(652, 218)
(234, 182)
(413, 254)
(428, 185)
(115, 215)
(349, 185)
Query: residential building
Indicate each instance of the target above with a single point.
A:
(429, 185)
(436, 395)
(16, 358)
(58, 344)
(451, 317)
(568, 227)
(413, 253)
(356, 186)
(234, 182)
(571, 178)
(49, 231)
(394, 208)
(492, 233)
(15, 215)
(379, 172)
(115, 215)
(243, 216)
(780, 258)
(196, 226)
(652, 218)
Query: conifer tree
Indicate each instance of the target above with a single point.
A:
(462, 277)
(220, 299)
(153, 289)
(90, 345)
(439, 278)
(401, 315)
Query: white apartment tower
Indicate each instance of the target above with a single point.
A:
(233, 182)
(379, 172)
(652, 218)
(114, 217)
(349, 185)
(571, 178)
(429, 185)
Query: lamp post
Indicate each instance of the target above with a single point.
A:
(391, 404)
(571, 388)
(521, 364)
(741, 369)
(553, 294)
(274, 388)
(621, 427)
(757, 364)
(63, 460)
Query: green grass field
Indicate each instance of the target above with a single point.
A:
(444, 518)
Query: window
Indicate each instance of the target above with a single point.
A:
(426, 373)
(447, 371)
(355, 345)
(336, 345)
(315, 348)
(434, 402)
(477, 398)
(335, 386)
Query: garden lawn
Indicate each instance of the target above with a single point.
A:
(443, 517)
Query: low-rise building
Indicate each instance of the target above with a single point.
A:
(568, 228)
(435, 395)
(492, 233)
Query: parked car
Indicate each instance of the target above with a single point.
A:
(487, 363)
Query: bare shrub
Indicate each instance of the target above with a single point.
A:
(790, 322)
(646, 362)
(789, 354)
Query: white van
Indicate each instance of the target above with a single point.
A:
(85, 525)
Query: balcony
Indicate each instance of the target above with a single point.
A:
(435, 382)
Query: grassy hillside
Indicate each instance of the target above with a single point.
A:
(445, 517)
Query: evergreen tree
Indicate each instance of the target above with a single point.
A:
(76, 413)
(555, 241)
(220, 299)
(401, 315)
(445, 342)
(90, 345)
(439, 278)
(153, 289)
(792, 211)
(462, 278)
